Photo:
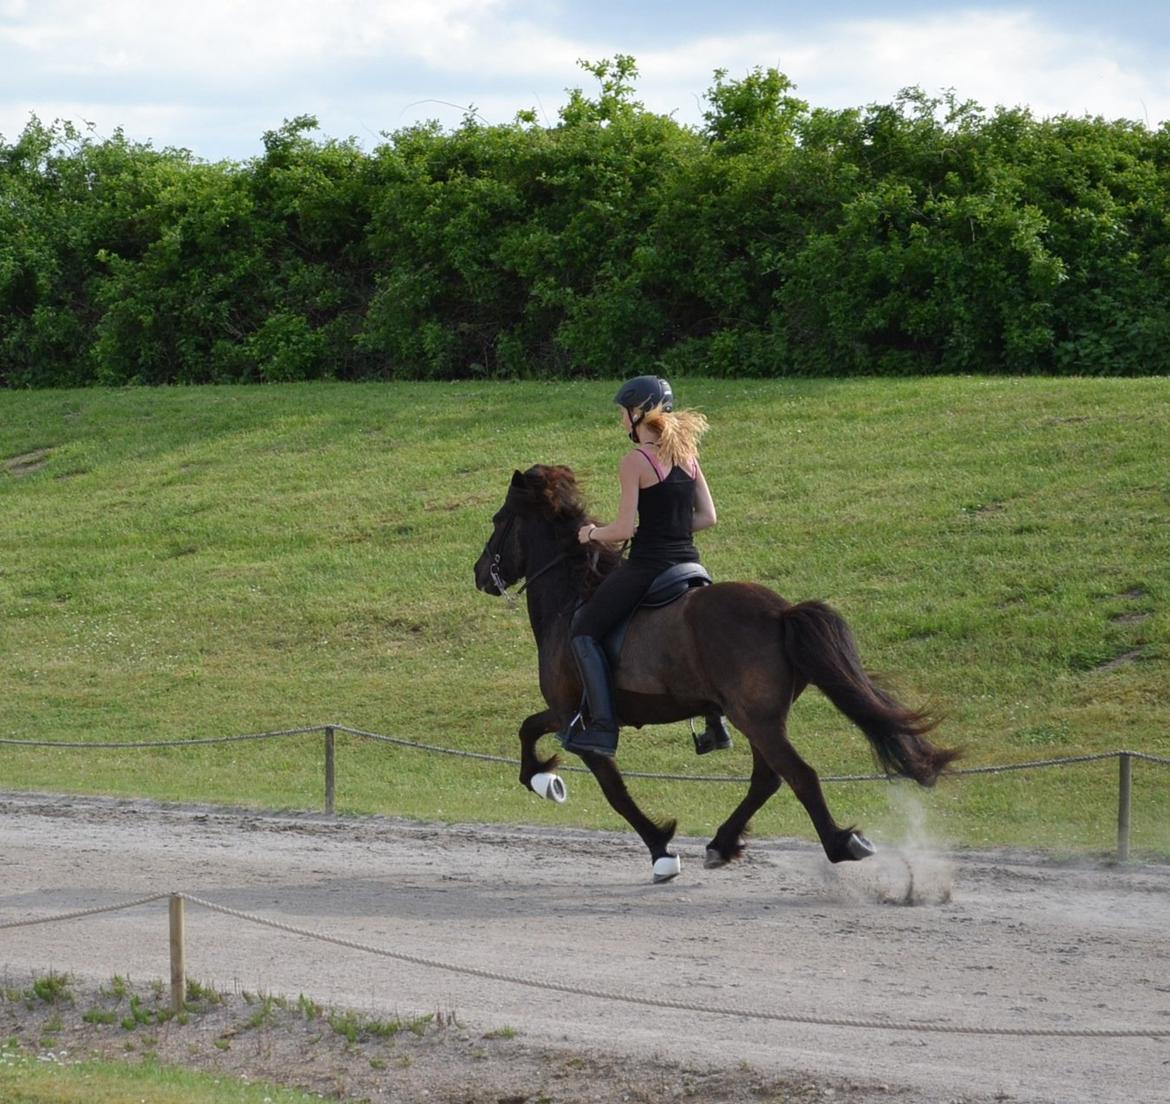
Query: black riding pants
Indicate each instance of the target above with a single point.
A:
(617, 597)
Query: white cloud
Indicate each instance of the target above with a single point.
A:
(214, 74)
(246, 38)
(994, 58)
(1000, 58)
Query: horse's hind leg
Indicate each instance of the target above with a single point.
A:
(728, 843)
(771, 738)
(655, 835)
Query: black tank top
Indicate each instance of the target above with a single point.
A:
(666, 513)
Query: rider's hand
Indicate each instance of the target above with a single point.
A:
(584, 533)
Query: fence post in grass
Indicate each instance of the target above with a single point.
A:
(178, 954)
(1124, 800)
(330, 772)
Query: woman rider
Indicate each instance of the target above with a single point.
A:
(664, 500)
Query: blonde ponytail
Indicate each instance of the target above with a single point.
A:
(678, 435)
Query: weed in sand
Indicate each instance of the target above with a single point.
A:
(502, 1033)
(199, 993)
(53, 988)
(118, 988)
(310, 1009)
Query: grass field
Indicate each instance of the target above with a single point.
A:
(208, 562)
(33, 1080)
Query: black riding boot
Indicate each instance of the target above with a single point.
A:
(600, 734)
(714, 737)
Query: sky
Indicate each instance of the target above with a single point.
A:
(212, 76)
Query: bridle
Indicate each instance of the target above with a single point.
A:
(494, 562)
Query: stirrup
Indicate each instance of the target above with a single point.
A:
(589, 738)
(578, 737)
(577, 723)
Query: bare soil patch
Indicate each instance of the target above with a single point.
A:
(1011, 940)
(1133, 655)
(1130, 618)
(26, 463)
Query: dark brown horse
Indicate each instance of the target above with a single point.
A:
(735, 647)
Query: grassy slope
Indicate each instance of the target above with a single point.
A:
(209, 562)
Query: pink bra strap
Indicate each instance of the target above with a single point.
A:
(656, 466)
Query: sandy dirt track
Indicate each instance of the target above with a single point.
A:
(1006, 940)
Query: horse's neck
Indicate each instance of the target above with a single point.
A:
(548, 623)
(550, 605)
(553, 595)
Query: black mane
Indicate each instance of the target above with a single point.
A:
(551, 492)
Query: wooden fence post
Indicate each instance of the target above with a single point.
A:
(1124, 800)
(178, 954)
(330, 772)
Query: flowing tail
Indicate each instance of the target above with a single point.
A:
(820, 646)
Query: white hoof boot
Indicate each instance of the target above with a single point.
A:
(551, 786)
(859, 847)
(713, 859)
(669, 866)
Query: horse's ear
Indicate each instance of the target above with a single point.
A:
(519, 495)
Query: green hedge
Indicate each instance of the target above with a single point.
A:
(923, 236)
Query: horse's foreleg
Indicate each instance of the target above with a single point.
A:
(771, 738)
(655, 835)
(728, 843)
(531, 730)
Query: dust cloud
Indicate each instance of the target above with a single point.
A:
(910, 867)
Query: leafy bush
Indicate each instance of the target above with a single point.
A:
(924, 235)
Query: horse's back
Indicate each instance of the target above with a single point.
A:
(691, 648)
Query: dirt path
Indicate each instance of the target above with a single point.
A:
(1005, 940)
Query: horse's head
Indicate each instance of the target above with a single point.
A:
(543, 505)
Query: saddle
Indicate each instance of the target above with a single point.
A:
(669, 587)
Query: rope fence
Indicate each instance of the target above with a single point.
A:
(177, 919)
(1125, 758)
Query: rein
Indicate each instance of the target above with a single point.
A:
(547, 567)
(498, 579)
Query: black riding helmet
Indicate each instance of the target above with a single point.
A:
(641, 395)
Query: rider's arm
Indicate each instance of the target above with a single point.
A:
(704, 504)
(629, 474)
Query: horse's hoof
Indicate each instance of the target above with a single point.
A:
(859, 847)
(548, 785)
(666, 868)
(714, 859)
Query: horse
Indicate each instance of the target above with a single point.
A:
(735, 647)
